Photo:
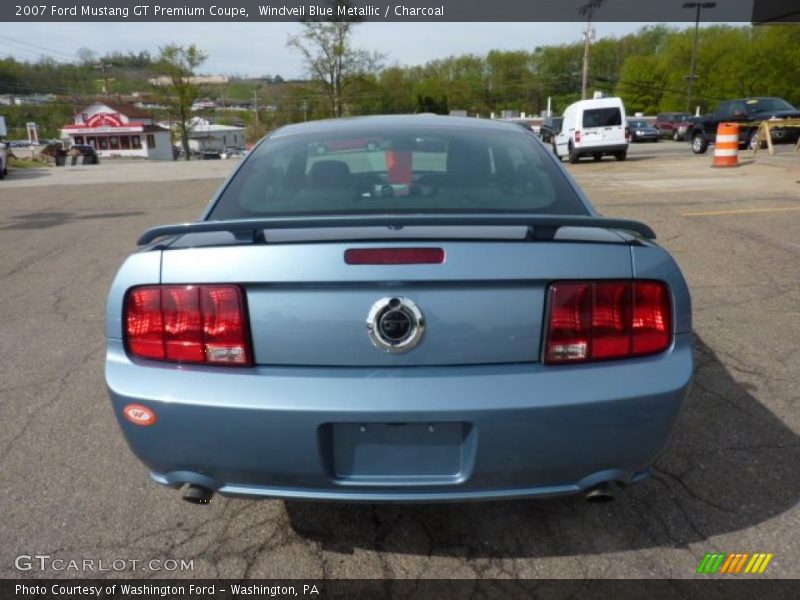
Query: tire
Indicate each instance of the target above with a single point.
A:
(699, 143)
(621, 155)
(753, 143)
(3, 171)
(597, 157)
(573, 156)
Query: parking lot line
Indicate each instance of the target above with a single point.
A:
(714, 213)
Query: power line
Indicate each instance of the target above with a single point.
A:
(37, 47)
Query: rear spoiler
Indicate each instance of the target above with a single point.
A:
(540, 227)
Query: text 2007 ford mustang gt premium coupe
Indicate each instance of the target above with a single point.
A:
(408, 308)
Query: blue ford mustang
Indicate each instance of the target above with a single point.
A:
(405, 308)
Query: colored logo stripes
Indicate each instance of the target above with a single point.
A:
(734, 563)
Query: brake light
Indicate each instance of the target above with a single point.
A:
(394, 256)
(577, 137)
(187, 323)
(599, 320)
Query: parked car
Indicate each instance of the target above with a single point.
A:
(640, 130)
(550, 128)
(384, 324)
(525, 123)
(593, 128)
(3, 160)
(673, 124)
(87, 152)
(749, 112)
(232, 152)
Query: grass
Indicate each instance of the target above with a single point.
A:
(26, 163)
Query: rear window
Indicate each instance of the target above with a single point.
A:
(428, 169)
(602, 117)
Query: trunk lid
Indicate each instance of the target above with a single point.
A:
(484, 304)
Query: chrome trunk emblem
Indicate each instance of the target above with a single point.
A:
(395, 325)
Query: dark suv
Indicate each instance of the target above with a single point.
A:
(673, 124)
(550, 128)
(749, 112)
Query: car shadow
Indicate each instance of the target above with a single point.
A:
(45, 220)
(731, 464)
(28, 173)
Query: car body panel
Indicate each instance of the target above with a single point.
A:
(471, 413)
(539, 430)
(503, 282)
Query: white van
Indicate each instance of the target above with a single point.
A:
(593, 128)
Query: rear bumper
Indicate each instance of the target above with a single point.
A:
(601, 149)
(456, 433)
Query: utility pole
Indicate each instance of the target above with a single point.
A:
(693, 69)
(304, 106)
(588, 38)
(587, 10)
(102, 66)
(255, 105)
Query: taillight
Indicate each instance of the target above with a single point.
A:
(577, 137)
(187, 323)
(599, 320)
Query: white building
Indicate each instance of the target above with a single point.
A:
(205, 136)
(116, 129)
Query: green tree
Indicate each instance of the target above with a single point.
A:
(331, 60)
(641, 84)
(178, 64)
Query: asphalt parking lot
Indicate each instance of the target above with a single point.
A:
(729, 482)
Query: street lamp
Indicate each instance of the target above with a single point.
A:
(698, 6)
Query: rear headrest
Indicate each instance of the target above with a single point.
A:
(329, 173)
(467, 163)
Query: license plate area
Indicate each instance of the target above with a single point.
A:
(399, 454)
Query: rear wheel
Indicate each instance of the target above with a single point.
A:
(573, 156)
(621, 155)
(699, 143)
(3, 170)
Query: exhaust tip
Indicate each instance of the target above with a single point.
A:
(196, 494)
(600, 494)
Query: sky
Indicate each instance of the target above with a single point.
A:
(257, 49)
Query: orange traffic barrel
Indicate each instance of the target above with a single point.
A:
(726, 148)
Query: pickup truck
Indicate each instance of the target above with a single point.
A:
(749, 112)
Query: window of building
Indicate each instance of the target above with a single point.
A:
(113, 142)
(92, 141)
(79, 139)
(136, 142)
(125, 142)
(151, 140)
(102, 143)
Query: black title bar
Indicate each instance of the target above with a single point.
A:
(708, 588)
(403, 10)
